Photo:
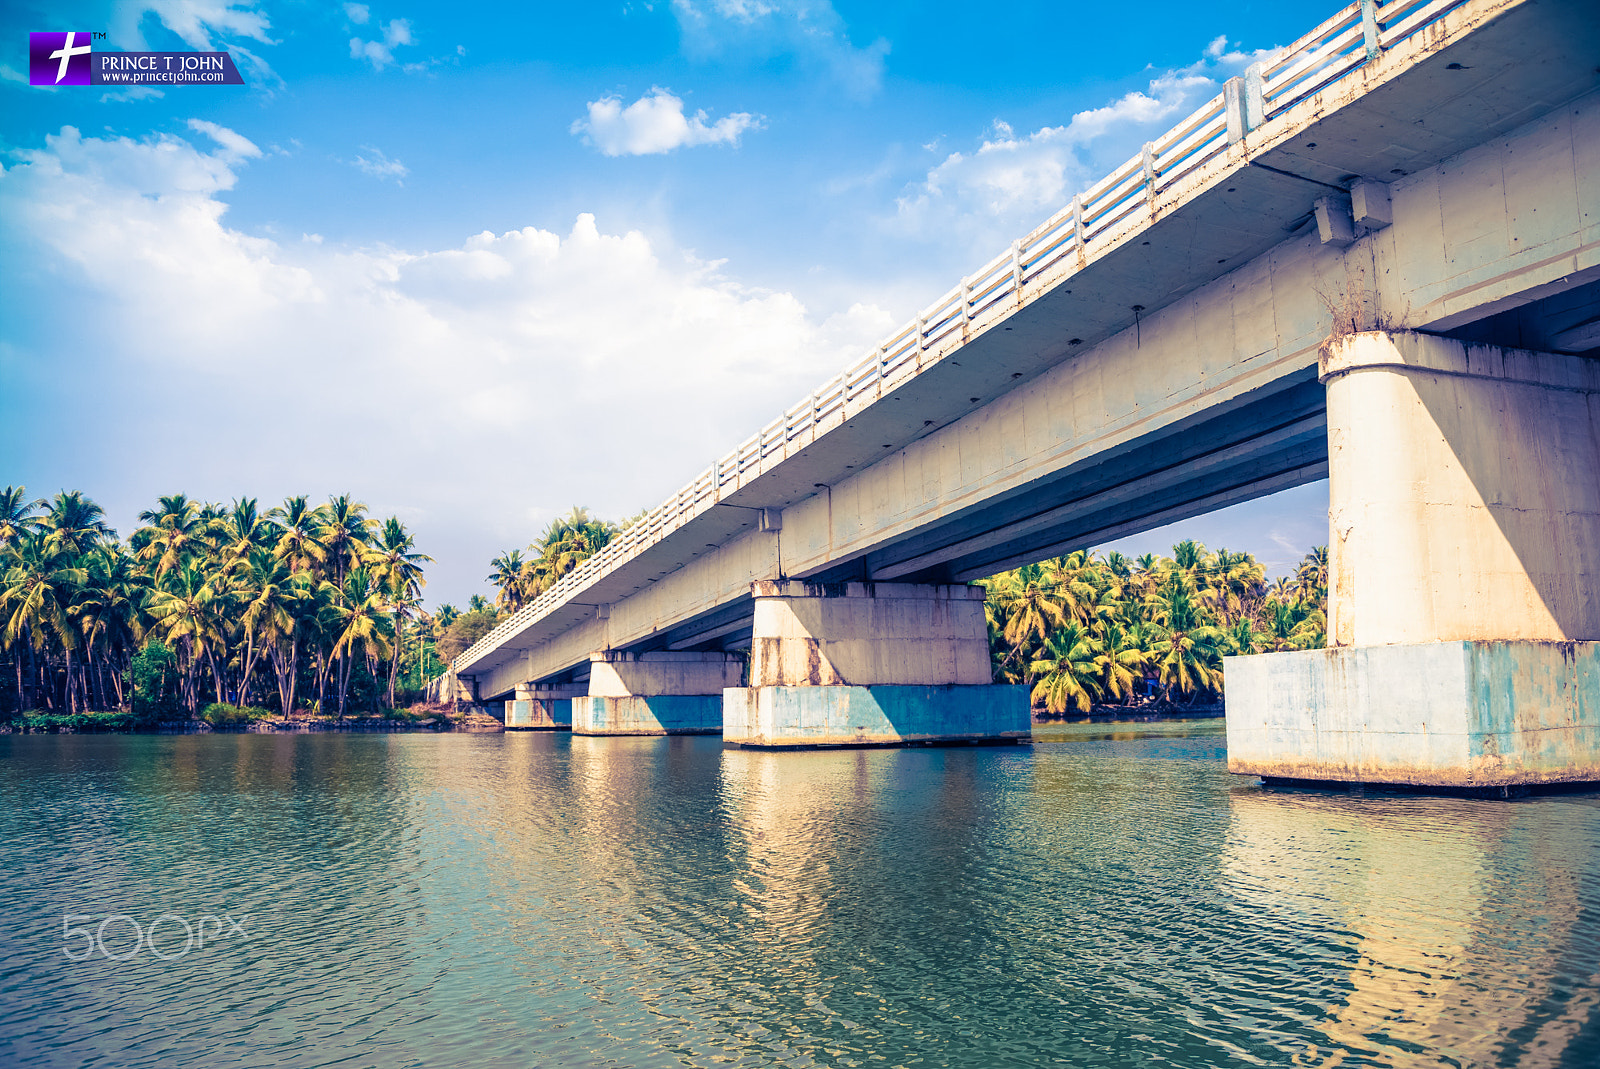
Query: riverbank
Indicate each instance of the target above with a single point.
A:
(435, 719)
(1143, 713)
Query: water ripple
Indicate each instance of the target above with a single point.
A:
(1109, 897)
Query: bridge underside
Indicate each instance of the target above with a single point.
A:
(1177, 371)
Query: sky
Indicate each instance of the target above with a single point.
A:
(476, 264)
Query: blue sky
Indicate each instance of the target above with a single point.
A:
(477, 264)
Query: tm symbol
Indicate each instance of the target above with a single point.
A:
(99, 35)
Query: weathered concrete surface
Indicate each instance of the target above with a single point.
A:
(1436, 714)
(620, 675)
(538, 708)
(870, 664)
(1464, 492)
(662, 714)
(818, 716)
(659, 693)
(808, 634)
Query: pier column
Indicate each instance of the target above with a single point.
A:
(543, 707)
(655, 693)
(1464, 595)
(870, 664)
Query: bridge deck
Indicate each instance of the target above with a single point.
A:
(1222, 189)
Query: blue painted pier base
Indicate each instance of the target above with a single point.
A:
(539, 714)
(1427, 714)
(804, 717)
(661, 714)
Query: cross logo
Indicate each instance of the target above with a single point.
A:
(59, 58)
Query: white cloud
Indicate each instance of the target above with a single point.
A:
(379, 166)
(811, 31)
(130, 93)
(656, 123)
(231, 148)
(474, 389)
(381, 53)
(204, 25)
(357, 13)
(1009, 181)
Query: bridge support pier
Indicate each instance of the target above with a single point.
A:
(1464, 596)
(655, 693)
(543, 708)
(870, 664)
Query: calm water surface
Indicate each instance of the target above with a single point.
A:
(1106, 897)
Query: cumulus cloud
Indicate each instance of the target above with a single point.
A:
(656, 123)
(357, 13)
(811, 32)
(380, 53)
(203, 25)
(1012, 179)
(375, 163)
(475, 389)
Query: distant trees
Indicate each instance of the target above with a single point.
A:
(566, 543)
(1083, 630)
(230, 604)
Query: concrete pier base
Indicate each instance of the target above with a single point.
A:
(1464, 558)
(801, 717)
(661, 714)
(1430, 714)
(870, 664)
(543, 708)
(655, 693)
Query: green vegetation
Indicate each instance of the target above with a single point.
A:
(1082, 630)
(231, 609)
(565, 544)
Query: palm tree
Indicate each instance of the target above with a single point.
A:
(173, 534)
(345, 531)
(1312, 574)
(17, 514)
(397, 567)
(188, 616)
(300, 545)
(360, 621)
(1066, 670)
(106, 613)
(38, 591)
(508, 577)
(1121, 660)
(74, 523)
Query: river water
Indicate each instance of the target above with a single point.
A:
(1106, 897)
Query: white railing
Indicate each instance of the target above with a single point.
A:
(1322, 57)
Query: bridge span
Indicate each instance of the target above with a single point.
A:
(1385, 237)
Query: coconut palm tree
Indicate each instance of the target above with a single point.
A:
(190, 619)
(1066, 670)
(345, 531)
(397, 568)
(509, 577)
(17, 514)
(37, 591)
(300, 544)
(360, 623)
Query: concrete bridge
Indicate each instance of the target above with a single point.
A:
(1374, 258)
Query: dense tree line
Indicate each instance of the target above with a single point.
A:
(278, 607)
(1080, 629)
(1086, 630)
